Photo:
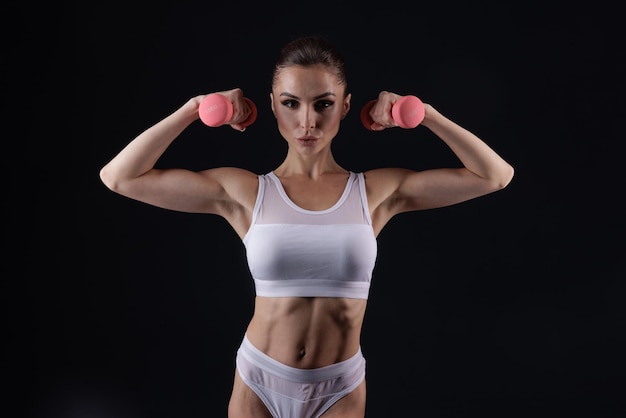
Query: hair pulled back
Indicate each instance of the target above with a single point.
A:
(310, 50)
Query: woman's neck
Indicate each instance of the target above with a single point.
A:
(309, 165)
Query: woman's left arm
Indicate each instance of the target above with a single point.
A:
(483, 171)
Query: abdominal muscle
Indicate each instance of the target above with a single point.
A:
(309, 332)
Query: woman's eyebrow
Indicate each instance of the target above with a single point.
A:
(315, 98)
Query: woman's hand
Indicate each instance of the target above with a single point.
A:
(241, 108)
(380, 112)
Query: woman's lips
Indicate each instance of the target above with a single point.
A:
(307, 140)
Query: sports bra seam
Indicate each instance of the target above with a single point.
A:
(363, 193)
(257, 206)
(293, 205)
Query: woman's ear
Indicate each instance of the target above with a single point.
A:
(346, 105)
(272, 103)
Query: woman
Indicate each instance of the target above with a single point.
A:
(309, 228)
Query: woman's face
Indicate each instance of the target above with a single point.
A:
(309, 105)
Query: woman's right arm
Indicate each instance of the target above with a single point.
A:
(131, 172)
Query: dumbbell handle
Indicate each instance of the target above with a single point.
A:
(407, 113)
(216, 110)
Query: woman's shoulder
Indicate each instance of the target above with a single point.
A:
(231, 173)
(385, 174)
(234, 179)
(381, 183)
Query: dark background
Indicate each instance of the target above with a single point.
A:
(511, 305)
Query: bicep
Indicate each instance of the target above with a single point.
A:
(429, 189)
(178, 189)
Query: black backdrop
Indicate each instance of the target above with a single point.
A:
(512, 305)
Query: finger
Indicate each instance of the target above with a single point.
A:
(238, 127)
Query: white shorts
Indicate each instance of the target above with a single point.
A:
(289, 392)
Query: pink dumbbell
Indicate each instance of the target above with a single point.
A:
(216, 110)
(408, 112)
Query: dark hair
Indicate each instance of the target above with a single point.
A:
(312, 50)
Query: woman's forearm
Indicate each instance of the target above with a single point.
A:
(473, 152)
(142, 153)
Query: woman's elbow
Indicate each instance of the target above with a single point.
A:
(505, 176)
(108, 178)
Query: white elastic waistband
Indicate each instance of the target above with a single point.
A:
(262, 360)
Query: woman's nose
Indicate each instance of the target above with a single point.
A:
(307, 119)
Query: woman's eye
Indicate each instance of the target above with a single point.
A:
(323, 104)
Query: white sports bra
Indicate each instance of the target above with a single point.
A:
(296, 252)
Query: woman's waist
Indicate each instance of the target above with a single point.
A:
(248, 355)
(307, 332)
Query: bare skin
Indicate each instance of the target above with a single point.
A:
(309, 104)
